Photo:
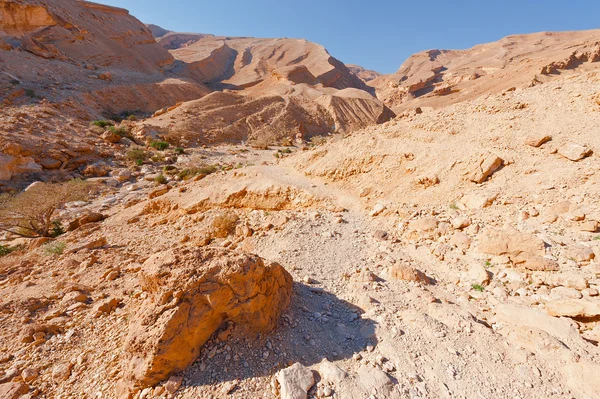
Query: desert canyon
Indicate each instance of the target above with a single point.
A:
(184, 215)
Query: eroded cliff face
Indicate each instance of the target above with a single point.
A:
(441, 77)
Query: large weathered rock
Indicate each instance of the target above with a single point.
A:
(13, 390)
(573, 308)
(519, 247)
(191, 293)
(484, 167)
(574, 152)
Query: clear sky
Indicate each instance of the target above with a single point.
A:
(377, 34)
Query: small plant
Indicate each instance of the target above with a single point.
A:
(57, 229)
(453, 205)
(286, 151)
(132, 118)
(287, 142)
(157, 158)
(179, 150)
(14, 82)
(5, 250)
(31, 213)
(102, 123)
(205, 170)
(30, 93)
(317, 140)
(159, 145)
(160, 179)
(477, 287)
(224, 224)
(276, 155)
(119, 131)
(55, 248)
(138, 155)
(488, 263)
(597, 238)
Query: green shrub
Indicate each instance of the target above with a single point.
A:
(138, 155)
(159, 145)
(160, 179)
(5, 250)
(477, 287)
(55, 248)
(30, 93)
(102, 123)
(179, 150)
(57, 229)
(204, 169)
(120, 131)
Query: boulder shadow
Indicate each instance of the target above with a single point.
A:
(317, 325)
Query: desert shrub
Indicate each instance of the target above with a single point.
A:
(318, 140)
(102, 123)
(179, 150)
(14, 82)
(259, 143)
(132, 118)
(287, 142)
(203, 169)
(5, 250)
(160, 179)
(31, 212)
(158, 158)
(224, 224)
(55, 248)
(30, 93)
(138, 155)
(120, 131)
(57, 229)
(159, 145)
(477, 287)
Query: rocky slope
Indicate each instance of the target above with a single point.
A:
(284, 88)
(447, 252)
(106, 64)
(441, 77)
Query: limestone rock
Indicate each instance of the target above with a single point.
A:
(478, 201)
(191, 293)
(295, 381)
(484, 167)
(402, 271)
(574, 152)
(519, 247)
(13, 390)
(331, 373)
(540, 263)
(373, 379)
(478, 274)
(573, 308)
(536, 140)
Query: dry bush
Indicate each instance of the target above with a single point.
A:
(224, 224)
(31, 212)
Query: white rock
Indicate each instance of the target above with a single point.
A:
(295, 381)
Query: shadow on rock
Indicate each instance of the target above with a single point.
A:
(316, 325)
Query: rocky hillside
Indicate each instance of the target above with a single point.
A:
(107, 65)
(280, 89)
(441, 77)
(227, 245)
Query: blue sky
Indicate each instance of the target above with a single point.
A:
(377, 34)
